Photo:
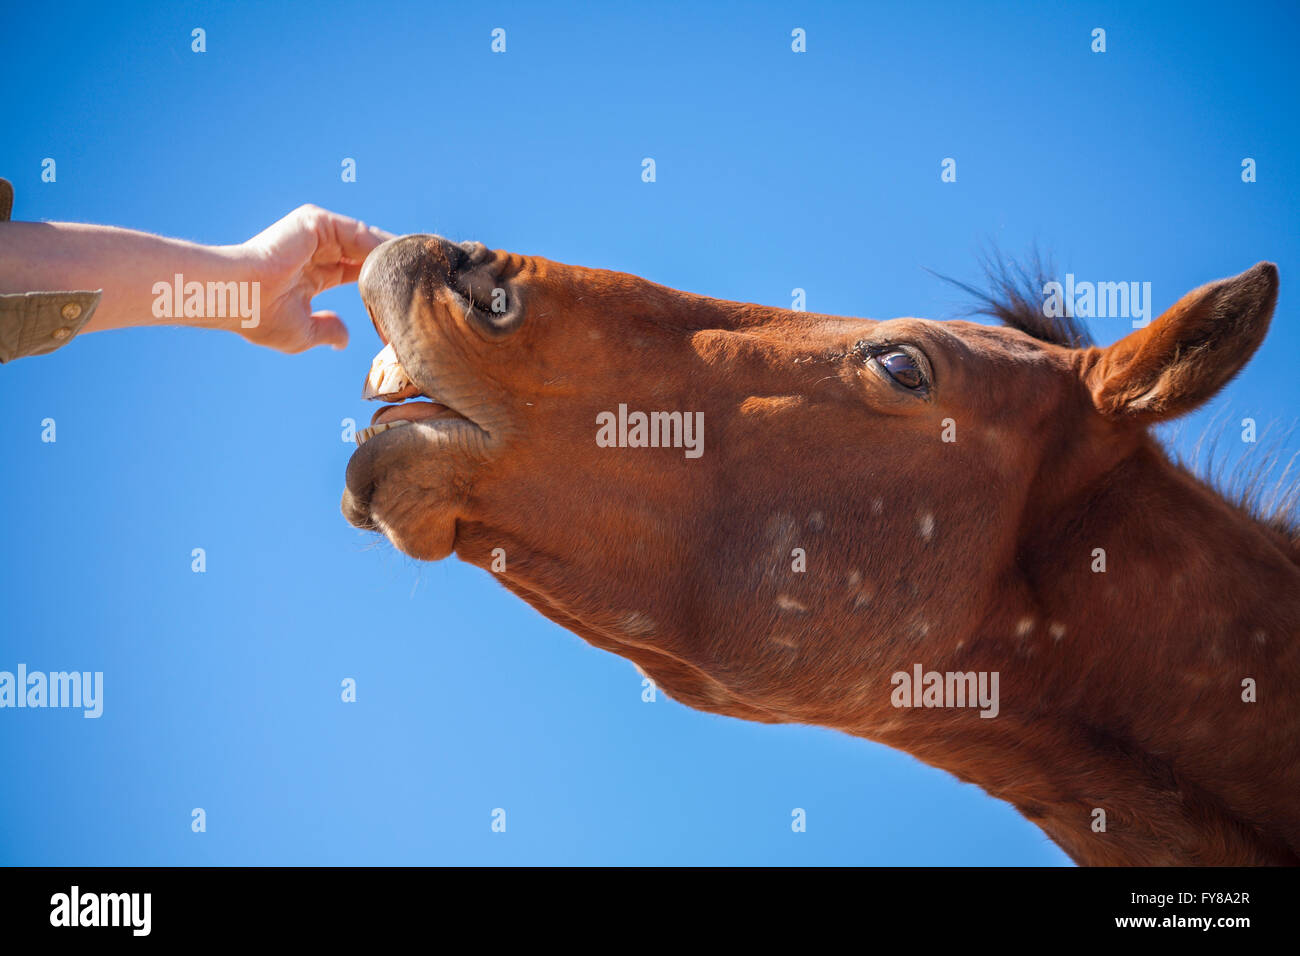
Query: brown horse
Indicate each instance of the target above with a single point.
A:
(955, 539)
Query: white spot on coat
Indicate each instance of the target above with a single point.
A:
(787, 603)
(635, 624)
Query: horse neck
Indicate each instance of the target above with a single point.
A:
(1127, 690)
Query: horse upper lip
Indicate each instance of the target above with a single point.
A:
(390, 382)
(388, 283)
(379, 329)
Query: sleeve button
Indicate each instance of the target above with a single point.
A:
(61, 333)
(70, 312)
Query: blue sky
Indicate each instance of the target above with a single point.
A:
(775, 170)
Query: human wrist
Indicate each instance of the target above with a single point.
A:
(211, 287)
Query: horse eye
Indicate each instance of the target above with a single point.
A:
(902, 368)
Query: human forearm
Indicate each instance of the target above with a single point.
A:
(261, 288)
(40, 256)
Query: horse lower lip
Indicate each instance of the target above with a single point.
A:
(402, 416)
(413, 412)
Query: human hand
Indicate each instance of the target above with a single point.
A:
(303, 254)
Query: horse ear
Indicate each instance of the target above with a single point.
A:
(1186, 355)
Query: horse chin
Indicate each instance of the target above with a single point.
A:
(406, 483)
(428, 536)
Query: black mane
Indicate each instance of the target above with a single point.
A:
(1015, 298)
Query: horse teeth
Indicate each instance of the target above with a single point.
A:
(387, 377)
(366, 434)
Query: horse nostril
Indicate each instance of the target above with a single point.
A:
(453, 258)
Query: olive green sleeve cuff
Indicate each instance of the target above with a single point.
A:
(34, 323)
